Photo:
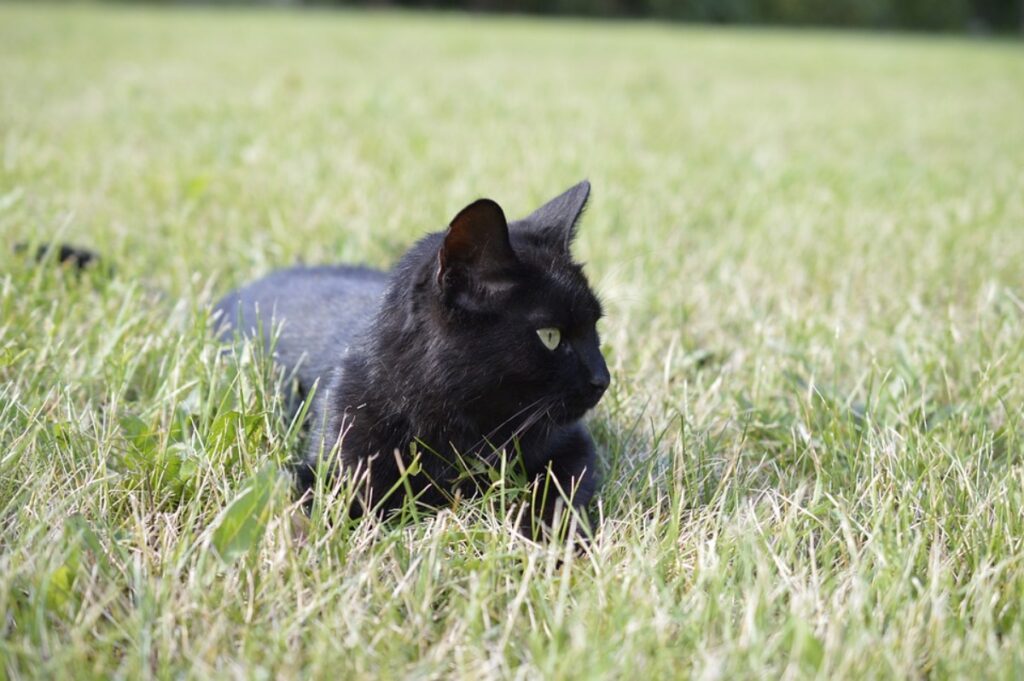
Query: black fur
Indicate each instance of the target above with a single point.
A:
(442, 357)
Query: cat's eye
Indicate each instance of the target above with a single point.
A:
(550, 337)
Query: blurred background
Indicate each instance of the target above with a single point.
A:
(945, 15)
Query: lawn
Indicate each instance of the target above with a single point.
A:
(811, 253)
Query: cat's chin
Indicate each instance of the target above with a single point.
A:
(570, 413)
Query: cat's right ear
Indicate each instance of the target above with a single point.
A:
(556, 220)
(476, 250)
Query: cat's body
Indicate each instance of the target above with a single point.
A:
(317, 311)
(480, 339)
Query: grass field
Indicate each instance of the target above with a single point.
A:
(810, 246)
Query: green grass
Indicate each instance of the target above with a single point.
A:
(811, 252)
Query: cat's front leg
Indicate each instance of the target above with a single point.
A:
(565, 472)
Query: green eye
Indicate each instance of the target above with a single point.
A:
(550, 337)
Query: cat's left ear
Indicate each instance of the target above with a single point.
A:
(476, 249)
(556, 220)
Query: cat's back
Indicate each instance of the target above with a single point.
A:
(319, 312)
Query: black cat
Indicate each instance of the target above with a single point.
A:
(481, 339)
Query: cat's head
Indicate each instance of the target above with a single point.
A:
(519, 318)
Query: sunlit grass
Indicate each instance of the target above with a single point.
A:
(810, 249)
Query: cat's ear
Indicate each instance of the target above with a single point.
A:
(476, 246)
(556, 220)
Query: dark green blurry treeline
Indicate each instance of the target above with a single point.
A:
(956, 15)
(925, 14)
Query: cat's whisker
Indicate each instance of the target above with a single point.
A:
(540, 407)
(493, 431)
(529, 422)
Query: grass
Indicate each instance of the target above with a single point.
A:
(810, 248)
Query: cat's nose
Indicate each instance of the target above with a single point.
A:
(599, 381)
